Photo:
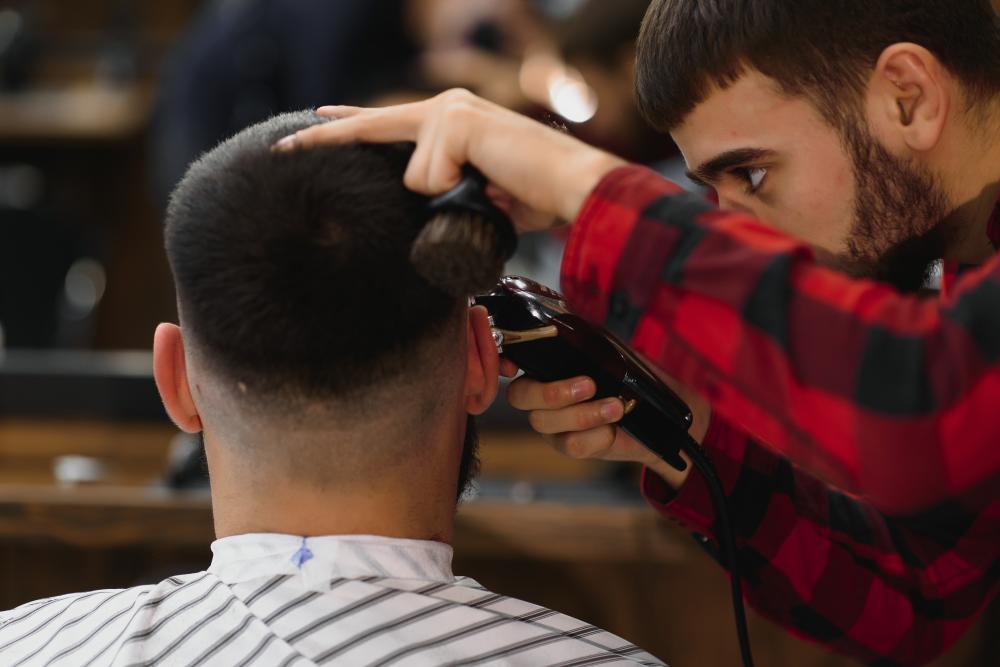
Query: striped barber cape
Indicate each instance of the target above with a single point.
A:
(284, 600)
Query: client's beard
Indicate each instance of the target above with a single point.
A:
(468, 468)
(899, 208)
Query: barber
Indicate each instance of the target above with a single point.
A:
(854, 422)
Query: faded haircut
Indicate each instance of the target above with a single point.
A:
(292, 270)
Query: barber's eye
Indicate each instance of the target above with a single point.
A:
(753, 177)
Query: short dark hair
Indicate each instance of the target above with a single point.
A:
(817, 48)
(292, 270)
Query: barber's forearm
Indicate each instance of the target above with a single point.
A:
(547, 172)
(550, 171)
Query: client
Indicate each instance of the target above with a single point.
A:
(333, 388)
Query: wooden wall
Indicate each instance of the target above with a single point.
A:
(621, 567)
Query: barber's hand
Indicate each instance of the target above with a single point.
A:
(586, 429)
(537, 172)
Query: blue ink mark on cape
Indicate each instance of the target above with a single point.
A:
(302, 555)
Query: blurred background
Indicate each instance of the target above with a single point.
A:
(104, 103)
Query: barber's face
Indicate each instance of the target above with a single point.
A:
(776, 158)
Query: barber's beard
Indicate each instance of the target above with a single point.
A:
(468, 468)
(899, 211)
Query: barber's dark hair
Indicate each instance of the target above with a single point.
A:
(823, 49)
(292, 270)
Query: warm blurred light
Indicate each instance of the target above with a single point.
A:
(536, 69)
(70, 470)
(572, 98)
(547, 80)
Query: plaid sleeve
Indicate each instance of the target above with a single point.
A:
(888, 396)
(800, 540)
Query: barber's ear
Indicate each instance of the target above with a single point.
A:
(483, 368)
(170, 372)
(909, 96)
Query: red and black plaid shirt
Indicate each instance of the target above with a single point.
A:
(895, 399)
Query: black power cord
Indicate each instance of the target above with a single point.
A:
(726, 536)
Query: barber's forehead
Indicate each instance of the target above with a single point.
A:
(751, 111)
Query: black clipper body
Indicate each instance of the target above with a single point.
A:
(534, 328)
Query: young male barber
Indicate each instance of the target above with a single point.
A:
(866, 135)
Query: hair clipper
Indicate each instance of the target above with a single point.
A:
(534, 328)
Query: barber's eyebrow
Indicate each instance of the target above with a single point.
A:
(708, 172)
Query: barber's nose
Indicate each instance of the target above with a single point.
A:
(733, 204)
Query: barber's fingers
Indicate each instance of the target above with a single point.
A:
(399, 123)
(595, 443)
(527, 394)
(523, 217)
(580, 417)
(338, 111)
(414, 177)
(444, 169)
(437, 160)
(544, 171)
(508, 368)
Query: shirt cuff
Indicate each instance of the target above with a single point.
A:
(691, 505)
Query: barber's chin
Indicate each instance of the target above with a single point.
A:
(907, 266)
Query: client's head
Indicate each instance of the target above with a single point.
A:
(323, 371)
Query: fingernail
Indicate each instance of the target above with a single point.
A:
(284, 144)
(612, 409)
(580, 388)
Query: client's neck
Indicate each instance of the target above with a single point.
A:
(414, 499)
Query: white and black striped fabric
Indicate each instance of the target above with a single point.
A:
(282, 600)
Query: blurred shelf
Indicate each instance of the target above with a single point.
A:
(67, 384)
(77, 113)
(129, 516)
(133, 454)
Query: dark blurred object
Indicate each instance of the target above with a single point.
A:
(34, 257)
(18, 48)
(118, 63)
(479, 45)
(112, 386)
(35, 254)
(600, 31)
(187, 467)
(81, 262)
(558, 10)
(241, 62)
(487, 36)
(598, 39)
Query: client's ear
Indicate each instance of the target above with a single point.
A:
(482, 374)
(170, 371)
